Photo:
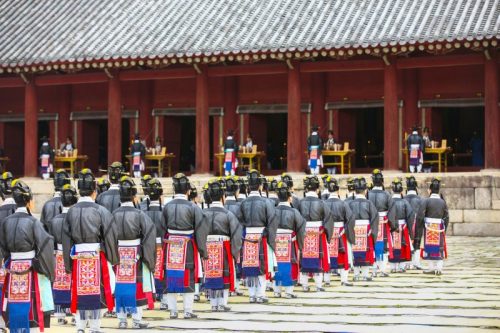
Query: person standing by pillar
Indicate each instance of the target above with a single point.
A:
(230, 154)
(314, 147)
(138, 152)
(416, 145)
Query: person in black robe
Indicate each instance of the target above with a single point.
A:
(343, 233)
(154, 191)
(287, 179)
(289, 243)
(232, 204)
(415, 200)
(90, 242)
(230, 154)
(145, 199)
(314, 148)
(103, 185)
(319, 229)
(432, 222)
(54, 206)
(365, 230)
(29, 254)
(272, 185)
(138, 152)
(136, 235)
(111, 198)
(46, 156)
(380, 198)
(416, 145)
(185, 244)
(62, 283)
(224, 236)
(260, 227)
(401, 217)
(351, 194)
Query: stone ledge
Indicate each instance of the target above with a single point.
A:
(482, 198)
(476, 229)
(482, 216)
(495, 204)
(459, 198)
(456, 215)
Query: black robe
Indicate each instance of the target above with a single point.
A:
(50, 209)
(364, 209)
(315, 209)
(234, 207)
(432, 207)
(55, 228)
(400, 209)
(183, 215)
(289, 218)
(155, 214)
(341, 212)
(5, 211)
(109, 199)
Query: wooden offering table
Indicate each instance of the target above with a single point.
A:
(254, 158)
(73, 161)
(344, 159)
(440, 152)
(159, 165)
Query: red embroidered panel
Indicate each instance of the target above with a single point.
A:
(283, 248)
(62, 280)
(396, 240)
(176, 253)
(361, 243)
(126, 271)
(382, 220)
(311, 243)
(432, 234)
(251, 250)
(20, 284)
(159, 261)
(214, 266)
(88, 277)
(2, 275)
(333, 246)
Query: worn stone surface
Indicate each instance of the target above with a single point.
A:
(459, 198)
(466, 298)
(476, 229)
(481, 216)
(482, 198)
(456, 215)
(495, 204)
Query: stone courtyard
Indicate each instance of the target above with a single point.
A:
(466, 298)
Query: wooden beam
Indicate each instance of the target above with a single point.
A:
(294, 153)
(158, 74)
(63, 79)
(242, 70)
(202, 123)
(341, 66)
(440, 61)
(390, 117)
(11, 82)
(30, 131)
(114, 120)
(491, 113)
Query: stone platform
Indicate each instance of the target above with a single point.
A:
(466, 298)
(473, 197)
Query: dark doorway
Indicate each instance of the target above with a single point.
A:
(463, 128)
(14, 147)
(43, 131)
(180, 139)
(269, 133)
(364, 130)
(94, 143)
(127, 139)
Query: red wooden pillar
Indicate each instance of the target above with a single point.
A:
(146, 127)
(64, 126)
(231, 119)
(390, 117)
(294, 153)
(30, 130)
(319, 114)
(411, 114)
(202, 123)
(114, 120)
(491, 113)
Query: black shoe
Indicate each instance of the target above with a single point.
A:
(393, 271)
(429, 271)
(62, 321)
(277, 295)
(140, 325)
(305, 289)
(318, 289)
(327, 284)
(214, 309)
(368, 279)
(438, 273)
(174, 315)
(110, 314)
(223, 308)
(383, 274)
(196, 298)
(346, 284)
(190, 315)
(163, 306)
(290, 296)
(262, 300)
(252, 300)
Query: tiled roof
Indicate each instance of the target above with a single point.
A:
(45, 31)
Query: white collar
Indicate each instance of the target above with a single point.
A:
(360, 196)
(435, 196)
(22, 210)
(136, 141)
(242, 196)
(114, 187)
(254, 194)
(285, 203)
(411, 192)
(86, 199)
(65, 210)
(229, 138)
(312, 194)
(272, 195)
(414, 132)
(155, 203)
(57, 194)
(334, 195)
(180, 196)
(216, 204)
(396, 196)
(314, 133)
(377, 188)
(231, 197)
(8, 201)
(127, 204)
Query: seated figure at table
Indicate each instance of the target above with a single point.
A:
(249, 143)
(230, 154)
(111, 198)
(54, 206)
(138, 152)
(67, 145)
(46, 156)
(416, 145)
(314, 146)
(329, 145)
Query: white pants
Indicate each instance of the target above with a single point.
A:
(397, 265)
(229, 173)
(364, 270)
(94, 324)
(343, 275)
(188, 299)
(135, 316)
(315, 171)
(260, 290)
(137, 174)
(164, 299)
(197, 289)
(219, 301)
(436, 264)
(415, 259)
(380, 265)
(237, 285)
(331, 171)
(318, 279)
(418, 168)
(288, 289)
